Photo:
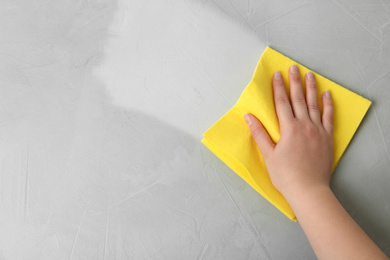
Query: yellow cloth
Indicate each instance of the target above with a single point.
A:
(230, 139)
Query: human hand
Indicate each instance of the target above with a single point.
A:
(300, 165)
(302, 159)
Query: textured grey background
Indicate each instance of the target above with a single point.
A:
(103, 105)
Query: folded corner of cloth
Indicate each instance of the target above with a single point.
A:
(230, 139)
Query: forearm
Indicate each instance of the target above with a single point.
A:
(332, 233)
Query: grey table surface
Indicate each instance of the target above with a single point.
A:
(103, 105)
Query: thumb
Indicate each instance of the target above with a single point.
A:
(262, 139)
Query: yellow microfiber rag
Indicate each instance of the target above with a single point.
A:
(230, 139)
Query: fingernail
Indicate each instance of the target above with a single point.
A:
(248, 119)
(327, 94)
(277, 75)
(310, 75)
(294, 69)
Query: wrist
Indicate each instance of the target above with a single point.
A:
(307, 195)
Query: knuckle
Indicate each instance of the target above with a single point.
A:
(299, 100)
(311, 131)
(256, 133)
(311, 85)
(328, 103)
(329, 117)
(313, 107)
(293, 129)
(328, 113)
(278, 85)
(295, 77)
(282, 100)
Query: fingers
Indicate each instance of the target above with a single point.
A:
(260, 135)
(301, 108)
(296, 93)
(327, 114)
(282, 104)
(312, 98)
